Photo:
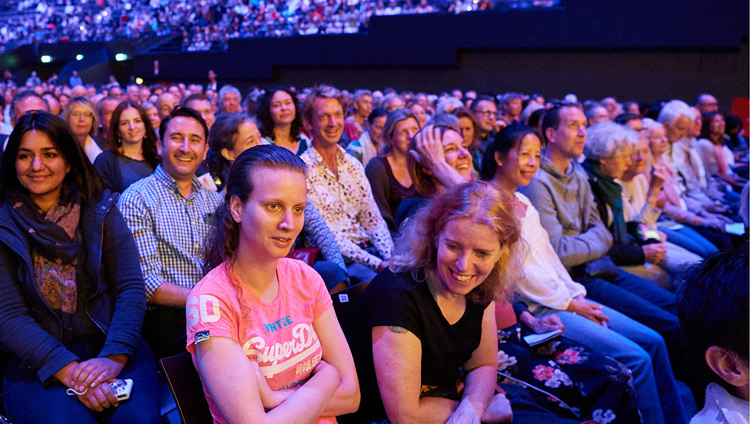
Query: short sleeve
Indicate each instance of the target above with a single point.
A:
(391, 303)
(212, 310)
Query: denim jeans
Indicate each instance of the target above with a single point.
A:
(690, 239)
(656, 308)
(28, 401)
(638, 347)
(331, 273)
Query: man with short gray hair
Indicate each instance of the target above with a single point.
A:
(229, 99)
(356, 123)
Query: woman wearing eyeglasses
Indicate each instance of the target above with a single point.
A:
(81, 117)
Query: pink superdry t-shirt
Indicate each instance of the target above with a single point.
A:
(278, 335)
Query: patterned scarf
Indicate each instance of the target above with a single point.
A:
(55, 248)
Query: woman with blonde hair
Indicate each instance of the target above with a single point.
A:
(81, 116)
(388, 173)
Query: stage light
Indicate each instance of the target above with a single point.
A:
(120, 57)
(46, 58)
(79, 56)
(139, 80)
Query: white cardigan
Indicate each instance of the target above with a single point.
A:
(546, 281)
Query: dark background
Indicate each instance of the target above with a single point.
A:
(642, 50)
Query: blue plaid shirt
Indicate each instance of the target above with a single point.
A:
(168, 229)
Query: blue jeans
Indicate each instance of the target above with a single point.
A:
(690, 239)
(28, 401)
(654, 307)
(638, 347)
(331, 273)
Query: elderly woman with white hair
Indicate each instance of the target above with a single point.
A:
(608, 151)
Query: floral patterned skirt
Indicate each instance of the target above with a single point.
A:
(568, 378)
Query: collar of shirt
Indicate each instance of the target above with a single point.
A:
(161, 175)
(317, 160)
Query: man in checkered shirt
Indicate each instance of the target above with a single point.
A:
(169, 214)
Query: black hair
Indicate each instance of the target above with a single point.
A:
(552, 118)
(184, 112)
(536, 117)
(707, 117)
(506, 140)
(624, 118)
(264, 114)
(712, 303)
(476, 101)
(223, 135)
(376, 113)
(82, 180)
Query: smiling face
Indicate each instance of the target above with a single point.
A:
(183, 148)
(456, 155)
(41, 168)
(131, 127)
(274, 213)
(520, 163)
(718, 124)
(230, 103)
(327, 121)
(247, 136)
(466, 254)
(420, 113)
(282, 108)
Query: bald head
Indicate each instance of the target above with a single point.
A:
(706, 103)
(166, 103)
(27, 101)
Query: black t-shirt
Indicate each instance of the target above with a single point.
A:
(398, 300)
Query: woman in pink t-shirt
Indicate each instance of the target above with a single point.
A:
(261, 327)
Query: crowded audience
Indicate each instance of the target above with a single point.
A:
(589, 215)
(209, 25)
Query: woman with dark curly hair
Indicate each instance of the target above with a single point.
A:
(132, 151)
(280, 121)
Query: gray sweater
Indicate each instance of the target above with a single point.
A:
(568, 212)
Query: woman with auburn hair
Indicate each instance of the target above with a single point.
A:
(132, 151)
(255, 300)
(431, 317)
